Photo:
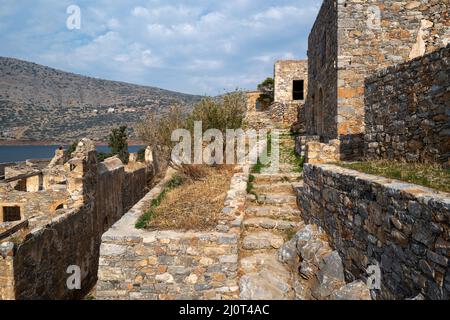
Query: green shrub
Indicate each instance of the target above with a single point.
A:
(141, 154)
(118, 142)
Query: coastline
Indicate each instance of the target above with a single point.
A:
(57, 143)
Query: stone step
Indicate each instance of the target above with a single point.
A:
(285, 212)
(276, 177)
(254, 287)
(262, 240)
(273, 199)
(277, 187)
(267, 223)
(265, 278)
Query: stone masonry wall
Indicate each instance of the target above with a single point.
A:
(6, 272)
(286, 71)
(317, 152)
(350, 40)
(167, 265)
(407, 109)
(404, 228)
(376, 34)
(321, 103)
(41, 260)
(285, 109)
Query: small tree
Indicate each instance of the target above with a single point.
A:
(118, 142)
(71, 149)
(267, 92)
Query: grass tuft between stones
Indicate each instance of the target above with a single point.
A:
(428, 175)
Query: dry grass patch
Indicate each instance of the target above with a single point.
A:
(195, 204)
(427, 175)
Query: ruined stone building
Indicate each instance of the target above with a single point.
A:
(53, 217)
(290, 90)
(349, 41)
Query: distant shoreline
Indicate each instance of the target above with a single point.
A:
(56, 143)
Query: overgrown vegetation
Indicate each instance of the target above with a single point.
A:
(118, 142)
(141, 154)
(226, 112)
(195, 206)
(266, 97)
(429, 175)
(72, 148)
(251, 187)
(259, 166)
(143, 220)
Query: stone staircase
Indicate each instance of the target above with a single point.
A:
(281, 258)
(271, 217)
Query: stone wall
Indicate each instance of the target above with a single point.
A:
(166, 265)
(407, 110)
(252, 103)
(350, 40)
(404, 228)
(285, 108)
(6, 272)
(73, 237)
(321, 103)
(286, 71)
(302, 141)
(317, 152)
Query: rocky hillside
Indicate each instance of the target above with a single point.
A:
(43, 104)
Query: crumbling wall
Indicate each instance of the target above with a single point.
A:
(407, 110)
(252, 103)
(373, 35)
(285, 108)
(349, 41)
(286, 71)
(317, 152)
(402, 228)
(73, 238)
(6, 271)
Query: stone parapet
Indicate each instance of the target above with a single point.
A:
(403, 228)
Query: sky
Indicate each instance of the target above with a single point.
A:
(193, 46)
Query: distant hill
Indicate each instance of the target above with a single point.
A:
(38, 103)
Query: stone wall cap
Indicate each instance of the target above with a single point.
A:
(417, 191)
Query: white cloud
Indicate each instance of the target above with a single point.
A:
(194, 46)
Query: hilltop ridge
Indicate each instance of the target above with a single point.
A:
(39, 103)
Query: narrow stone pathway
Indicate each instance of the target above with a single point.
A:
(271, 219)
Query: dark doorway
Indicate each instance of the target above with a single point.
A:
(298, 87)
(11, 214)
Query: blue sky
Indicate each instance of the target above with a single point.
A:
(193, 46)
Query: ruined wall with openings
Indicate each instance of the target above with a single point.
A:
(290, 91)
(73, 236)
(370, 220)
(321, 103)
(252, 101)
(349, 41)
(285, 73)
(407, 110)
